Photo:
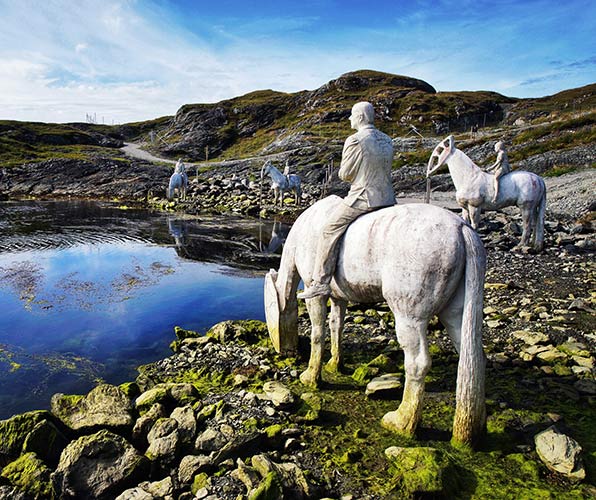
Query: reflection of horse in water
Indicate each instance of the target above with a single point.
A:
(281, 183)
(178, 228)
(279, 232)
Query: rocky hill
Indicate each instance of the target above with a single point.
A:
(267, 121)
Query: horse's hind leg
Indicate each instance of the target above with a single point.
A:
(452, 315)
(336, 325)
(527, 223)
(411, 334)
(317, 310)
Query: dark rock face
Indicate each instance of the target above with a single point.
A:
(99, 179)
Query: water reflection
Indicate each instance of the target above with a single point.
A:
(89, 291)
(279, 233)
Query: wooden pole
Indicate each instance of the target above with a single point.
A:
(427, 196)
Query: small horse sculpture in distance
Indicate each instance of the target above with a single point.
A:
(281, 183)
(423, 261)
(178, 182)
(474, 190)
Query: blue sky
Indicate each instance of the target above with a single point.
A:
(128, 60)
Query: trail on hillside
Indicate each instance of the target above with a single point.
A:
(134, 150)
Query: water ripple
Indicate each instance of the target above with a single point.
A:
(13, 243)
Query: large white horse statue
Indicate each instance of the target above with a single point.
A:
(281, 183)
(421, 259)
(474, 191)
(178, 182)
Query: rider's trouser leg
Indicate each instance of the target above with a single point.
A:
(334, 228)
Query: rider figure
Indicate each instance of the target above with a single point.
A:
(366, 163)
(501, 167)
(180, 167)
(287, 171)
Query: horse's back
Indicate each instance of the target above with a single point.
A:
(414, 245)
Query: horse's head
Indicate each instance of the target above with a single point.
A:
(442, 152)
(265, 168)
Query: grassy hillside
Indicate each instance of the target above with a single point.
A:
(24, 142)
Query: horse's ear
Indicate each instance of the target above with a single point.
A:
(451, 142)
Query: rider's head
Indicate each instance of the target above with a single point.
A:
(499, 146)
(363, 113)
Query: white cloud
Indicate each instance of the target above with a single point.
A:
(126, 61)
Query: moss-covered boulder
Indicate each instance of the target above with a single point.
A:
(31, 476)
(423, 471)
(15, 430)
(105, 406)
(98, 466)
(169, 394)
(46, 441)
(250, 331)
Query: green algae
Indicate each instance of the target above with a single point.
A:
(31, 476)
(495, 470)
(270, 488)
(200, 481)
(14, 431)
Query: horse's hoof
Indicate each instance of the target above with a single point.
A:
(309, 378)
(395, 421)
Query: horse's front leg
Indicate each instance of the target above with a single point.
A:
(474, 215)
(317, 310)
(411, 334)
(336, 325)
(464, 214)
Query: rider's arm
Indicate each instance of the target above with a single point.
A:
(351, 159)
(497, 163)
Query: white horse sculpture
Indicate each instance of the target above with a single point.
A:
(474, 191)
(178, 182)
(422, 260)
(281, 183)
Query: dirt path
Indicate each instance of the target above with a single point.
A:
(134, 150)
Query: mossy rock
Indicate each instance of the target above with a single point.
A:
(423, 471)
(269, 489)
(182, 334)
(169, 393)
(200, 481)
(46, 441)
(384, 363)
(104, 406)
(250, 331)
(15, 430)
(311, 407)
(131, 389)
(364, 373)
(30, 475)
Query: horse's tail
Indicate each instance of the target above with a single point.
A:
(539, 224)
(281, 304)
(470, 411)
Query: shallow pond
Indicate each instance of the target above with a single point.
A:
(89, 291)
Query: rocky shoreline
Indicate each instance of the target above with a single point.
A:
(225, 417)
